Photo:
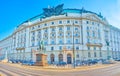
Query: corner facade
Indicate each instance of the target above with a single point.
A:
(56, 35)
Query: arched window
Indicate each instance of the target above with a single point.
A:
(69, 59)
(60, 57)
(52, 58)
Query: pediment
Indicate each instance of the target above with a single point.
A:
(93, 17)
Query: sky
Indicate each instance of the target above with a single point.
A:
(14, 12)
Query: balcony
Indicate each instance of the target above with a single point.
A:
(21, 48)
(94, 44)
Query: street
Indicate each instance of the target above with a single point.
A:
(9, 70)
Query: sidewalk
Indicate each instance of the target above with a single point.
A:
(62, 69)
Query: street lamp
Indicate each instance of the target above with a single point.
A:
(108, 57)
(73, 48)
(82, 35)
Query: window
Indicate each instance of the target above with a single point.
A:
(76, 34)
(89, 55)
(76, 29)
(32, 44)
(76, 41)
(33, 33)
(39, 32)
(60, 41)
(60, 22)
(38, 43)
(100, 54)
(68, 21)
(60, 47)
(33, 38)
(93, 34)
(98, 24)
(98, 33)
(94, 48)
(68, 48)
(52, 42)
(77, 56)
(92, 23)
(38, 26)
(32, 27)
(87, 22)
(45, 30)
(76, 21)
(52, 48)
(87, 28)
(45, 24)
(88, 48)
(53, 34)
(88, 34)
(68, 41)
(53, 29)
(77, 48)
(95, 54)
(68, 27)
(60, 28)
(46, 42)
(68, 34)
(52, 23)
(60, 34)
(88, 40)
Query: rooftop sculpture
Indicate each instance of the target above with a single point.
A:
(53, 11)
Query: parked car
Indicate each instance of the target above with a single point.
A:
(25, 62)
(62, 63)
(78, 63)
(31, 63)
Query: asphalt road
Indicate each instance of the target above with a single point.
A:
(16, 71)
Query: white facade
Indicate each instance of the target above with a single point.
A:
(93, 38)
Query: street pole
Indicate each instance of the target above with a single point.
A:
(82, 35)
(31, 53)
(73, 48)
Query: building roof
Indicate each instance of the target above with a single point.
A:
(58, 10)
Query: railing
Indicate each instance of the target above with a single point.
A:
(94, 44)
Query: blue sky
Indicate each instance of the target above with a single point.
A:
(14, 12)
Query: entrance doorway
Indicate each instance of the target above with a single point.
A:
(52, 58)
(69, 59)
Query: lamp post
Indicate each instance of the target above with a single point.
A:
(82, 35)
(73, 48)
(31, 53)
(108, 56)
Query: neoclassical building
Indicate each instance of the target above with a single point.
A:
(63, 34)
